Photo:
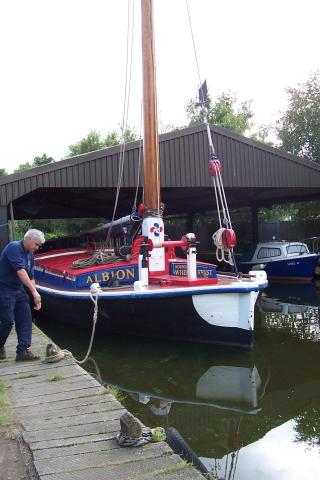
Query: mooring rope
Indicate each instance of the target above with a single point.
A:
(60, 354)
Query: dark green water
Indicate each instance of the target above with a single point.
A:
(248, 415)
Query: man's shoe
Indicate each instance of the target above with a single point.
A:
(3, 355)
(26, 356)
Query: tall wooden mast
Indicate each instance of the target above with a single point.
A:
(150, 136)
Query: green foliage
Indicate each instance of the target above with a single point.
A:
(226, 112)
(3, 172)
(23, 166)
(43, 160)
(262, 135)
(37, 162)
(53, 228)
(55, 378)
(21, 227)
(291, 211)
(308, 425)
(6, 412)
(299, 127)
(116, 392)
(280, 213)
(176, 467)
(94, 141)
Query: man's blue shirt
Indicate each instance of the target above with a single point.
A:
(14, 258)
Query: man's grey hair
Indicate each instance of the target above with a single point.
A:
(35, 235)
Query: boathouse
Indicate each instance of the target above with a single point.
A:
(255, 175)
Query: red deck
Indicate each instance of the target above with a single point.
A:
(60, 261)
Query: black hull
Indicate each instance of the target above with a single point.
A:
(172, 318)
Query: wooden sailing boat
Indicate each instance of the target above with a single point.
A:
(151, 292)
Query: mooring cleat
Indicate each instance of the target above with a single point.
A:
(53, 354)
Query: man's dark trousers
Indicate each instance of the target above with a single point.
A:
(15, 308)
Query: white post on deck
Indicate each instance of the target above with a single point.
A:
(143, 271)
(192, 257)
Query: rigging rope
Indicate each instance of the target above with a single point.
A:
(124, 124)
(226, 254)
(134, 207)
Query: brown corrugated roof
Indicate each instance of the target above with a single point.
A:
(253, 173)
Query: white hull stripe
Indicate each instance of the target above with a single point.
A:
(243, 288)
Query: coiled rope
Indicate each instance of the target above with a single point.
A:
(157, 434)
(98, 258)
(223, 254)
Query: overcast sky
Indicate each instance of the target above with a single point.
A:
(63, 64)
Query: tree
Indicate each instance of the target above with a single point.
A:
(299, 127)
(3, 172)
(262, 135)
(22, 167)
(37, 162)
(94, 141)
(225, 112)
(307, 425)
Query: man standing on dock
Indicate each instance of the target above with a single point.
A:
(16, 276)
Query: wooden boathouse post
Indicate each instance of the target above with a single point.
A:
(4, 227)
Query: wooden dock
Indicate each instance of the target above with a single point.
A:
(69, 422)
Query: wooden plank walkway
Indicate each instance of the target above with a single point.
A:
(70, 424)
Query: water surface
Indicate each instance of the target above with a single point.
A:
(248, 415)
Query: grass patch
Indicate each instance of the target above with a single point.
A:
(177, 467)
(118, 394)
(55, 378)
(6, 411)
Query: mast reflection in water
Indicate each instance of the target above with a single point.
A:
(247, 415)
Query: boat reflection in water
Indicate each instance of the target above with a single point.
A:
(288, 298)
(169, 375)
(222, 386)
(203, 395)
(291, 308)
